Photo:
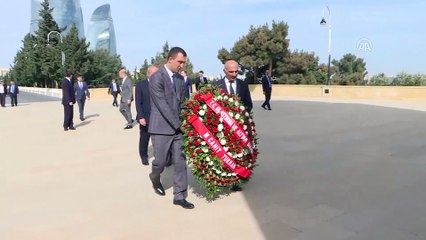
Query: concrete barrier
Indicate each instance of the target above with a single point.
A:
(304, 91)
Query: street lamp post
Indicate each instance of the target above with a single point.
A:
(60, 37)
(323, 22)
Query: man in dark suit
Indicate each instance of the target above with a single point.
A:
(199, 80)
(81, 93)
(188, 84)
(3, 92)
(13, 93)
(68, 101)
(126, 97)
(114, 90)
(167, 95)
(143, 110)
(267, 89)
(232, 85)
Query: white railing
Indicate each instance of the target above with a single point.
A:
(53, 92)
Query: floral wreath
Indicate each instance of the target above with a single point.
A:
(220, 140)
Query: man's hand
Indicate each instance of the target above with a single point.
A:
(129, 102)
(142, 121)
(88, 98)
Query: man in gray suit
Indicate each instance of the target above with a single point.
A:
(167, 95)
(81, 93)
(126, 97)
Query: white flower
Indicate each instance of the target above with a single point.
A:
(237, 116)
(219, 97)
(244, 127)
(240, 155)
(231, 114)
(204, 106)
(223, 142)
(234, 174)
(250, 120)
(218, 171)
(237, 103)
(220, 127)
(226, 149)
(223, 174)
(225, 97)
(220, 135)
(220, 119)
(242, 108)
(211, 163)
(205, 150)
(231, 100)
(201, 112)
(247, 114)
(208, 159)
(203, 143)
(229, 174)
(201, 119)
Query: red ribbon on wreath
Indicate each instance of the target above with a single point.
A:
(230, 122)
(217, 148)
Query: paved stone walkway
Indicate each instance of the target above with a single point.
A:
(328, 171)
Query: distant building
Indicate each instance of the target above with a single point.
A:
(4, 71)
(65, 13)
(101, 33)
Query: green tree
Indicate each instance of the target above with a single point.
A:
(350, 70)
(300, 63)
(25, 68)
(101, 68)
(379, 80)
(76, 53)
(260, 49)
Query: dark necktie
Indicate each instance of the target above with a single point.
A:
(231, 89)
(174, 81)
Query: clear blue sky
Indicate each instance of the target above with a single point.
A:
(394, 29)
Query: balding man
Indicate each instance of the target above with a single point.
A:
(126, 97)
(143, 110)
(232, 85)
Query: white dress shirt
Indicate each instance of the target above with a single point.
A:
(228, 85)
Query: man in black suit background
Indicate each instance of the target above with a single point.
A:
(267, 89)
(143, 111)
(199, 80)
(232, 85)
(81, 93)
(13, 93)
(188, 84)
(114, 90)
(68, 101)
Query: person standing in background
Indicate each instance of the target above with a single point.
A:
(3, 92)
(188, 84)
(114, 90)
(143, 110)
(126, 97)
(267, 89)
(68, 101)
(199, 80)
(81, 93)
(13, 93)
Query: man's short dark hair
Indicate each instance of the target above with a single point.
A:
(78, 75)
(174, 51)
(68, 74)
(201, 71)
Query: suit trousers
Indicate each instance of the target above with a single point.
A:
(13, 99)
(114, 102)
(143, 143)
(68, 116)
(2, 99)
(267, 99)
(163, 145)
(81, 103)
(126, 111)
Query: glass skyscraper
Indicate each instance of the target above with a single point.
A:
(65, 13)
(101, 33)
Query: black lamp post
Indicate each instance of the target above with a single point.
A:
(323, 23)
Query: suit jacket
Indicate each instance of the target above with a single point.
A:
(265, 83)
(198, 81)
(243, 92)
(111, 88)
(68, 93)
(165, 103)
(4, 88)
(188, 87)
(81, 93)
(127, 90)
(16, 89)
(142, 100)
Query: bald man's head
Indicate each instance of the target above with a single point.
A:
(151, 70)
(231, 70)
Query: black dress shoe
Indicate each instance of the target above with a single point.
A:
(82, 119)
(183, 203)
(65, 129)
(146, 163)
(158, 188)
(71, 128)
(269, 109)
(128, 127)
(264, 107)
(236, 188)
